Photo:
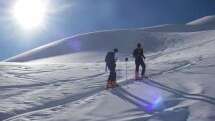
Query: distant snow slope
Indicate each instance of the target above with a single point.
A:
(206, 21)
(98, 42)
(202, 24)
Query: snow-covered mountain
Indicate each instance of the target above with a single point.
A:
(98, 42)
(180, 63)
(154, 39)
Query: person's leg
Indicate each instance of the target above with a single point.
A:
(114, 76)
(112, 72)
(109, 77)
(109, 82)
(137, 66)
(143, 69)
(137, 63)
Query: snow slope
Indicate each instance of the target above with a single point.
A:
(205, 21)
(180, 65)
(99, 42)
(154, 39)
(202, 24)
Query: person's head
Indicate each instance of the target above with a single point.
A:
(138, 45)
(115, 50)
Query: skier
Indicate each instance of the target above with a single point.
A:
(139, 56)
(110, 60)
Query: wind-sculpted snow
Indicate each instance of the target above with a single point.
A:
(86, 46)
(180, 66)
(174, 91)
(202, 24)
(205, 21)
(101, 42)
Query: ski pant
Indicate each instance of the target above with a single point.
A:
(138, 63)
(112, 69)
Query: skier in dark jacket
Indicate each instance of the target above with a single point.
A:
(139, 56)
(110, 60)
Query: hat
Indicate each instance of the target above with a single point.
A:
(115, 50)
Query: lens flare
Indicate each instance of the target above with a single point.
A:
(155, 104)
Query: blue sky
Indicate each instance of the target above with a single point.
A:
(79, 16)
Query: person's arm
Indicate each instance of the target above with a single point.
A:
(134, 53)
(143, 54)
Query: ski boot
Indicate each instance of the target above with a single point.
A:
(137, 76)
(114, 84)
(109, 84)
(143, 77)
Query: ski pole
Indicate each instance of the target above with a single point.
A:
(106, 68)
(126, 66)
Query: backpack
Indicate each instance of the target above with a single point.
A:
(138, 53)
(109, 57)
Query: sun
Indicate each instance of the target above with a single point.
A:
(30, 14)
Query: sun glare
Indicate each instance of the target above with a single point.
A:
(30, 14)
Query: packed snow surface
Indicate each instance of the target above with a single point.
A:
(65, 80)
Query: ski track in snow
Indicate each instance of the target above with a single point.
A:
(51, 83)
(72, 98)
(173, 109)
(180, 69)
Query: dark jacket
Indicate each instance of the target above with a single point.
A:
(110, 58)
(138, 54)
